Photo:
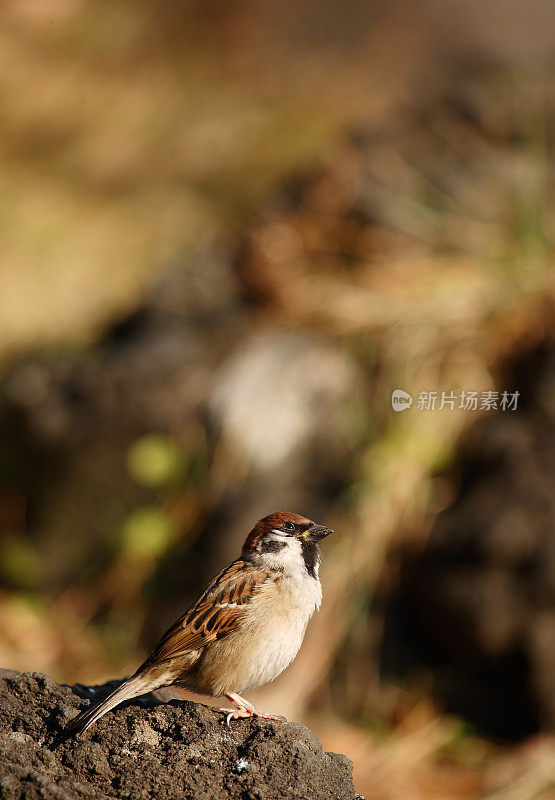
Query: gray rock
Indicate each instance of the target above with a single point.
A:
(149, 749)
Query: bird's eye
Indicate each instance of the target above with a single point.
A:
(288, 526)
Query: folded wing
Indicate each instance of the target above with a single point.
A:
(217, 612)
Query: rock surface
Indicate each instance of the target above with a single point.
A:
(150, 749)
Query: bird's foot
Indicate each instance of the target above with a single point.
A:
(245, 713)
(245, 710)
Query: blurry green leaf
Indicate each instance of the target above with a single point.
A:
(155, 460)
(147, 533)
(19, 562)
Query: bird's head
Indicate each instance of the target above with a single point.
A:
(284, 531)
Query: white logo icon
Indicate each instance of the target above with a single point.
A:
(400, 400)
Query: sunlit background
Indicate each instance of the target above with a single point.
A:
(230, 230)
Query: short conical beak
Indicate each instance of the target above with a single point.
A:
(316, 532)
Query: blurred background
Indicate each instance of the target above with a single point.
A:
(229, 231)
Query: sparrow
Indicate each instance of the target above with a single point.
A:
(245, 628)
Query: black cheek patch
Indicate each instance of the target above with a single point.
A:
(311, 556)
(272, 546)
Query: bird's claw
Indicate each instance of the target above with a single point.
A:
(245, 713)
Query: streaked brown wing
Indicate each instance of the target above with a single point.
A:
(215, 614)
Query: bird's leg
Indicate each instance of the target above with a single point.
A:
(245, 709)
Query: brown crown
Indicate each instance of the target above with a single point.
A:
(266, 524)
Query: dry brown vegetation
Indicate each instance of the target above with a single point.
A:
(357, 200)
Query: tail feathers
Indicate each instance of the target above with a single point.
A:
(131, 688)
